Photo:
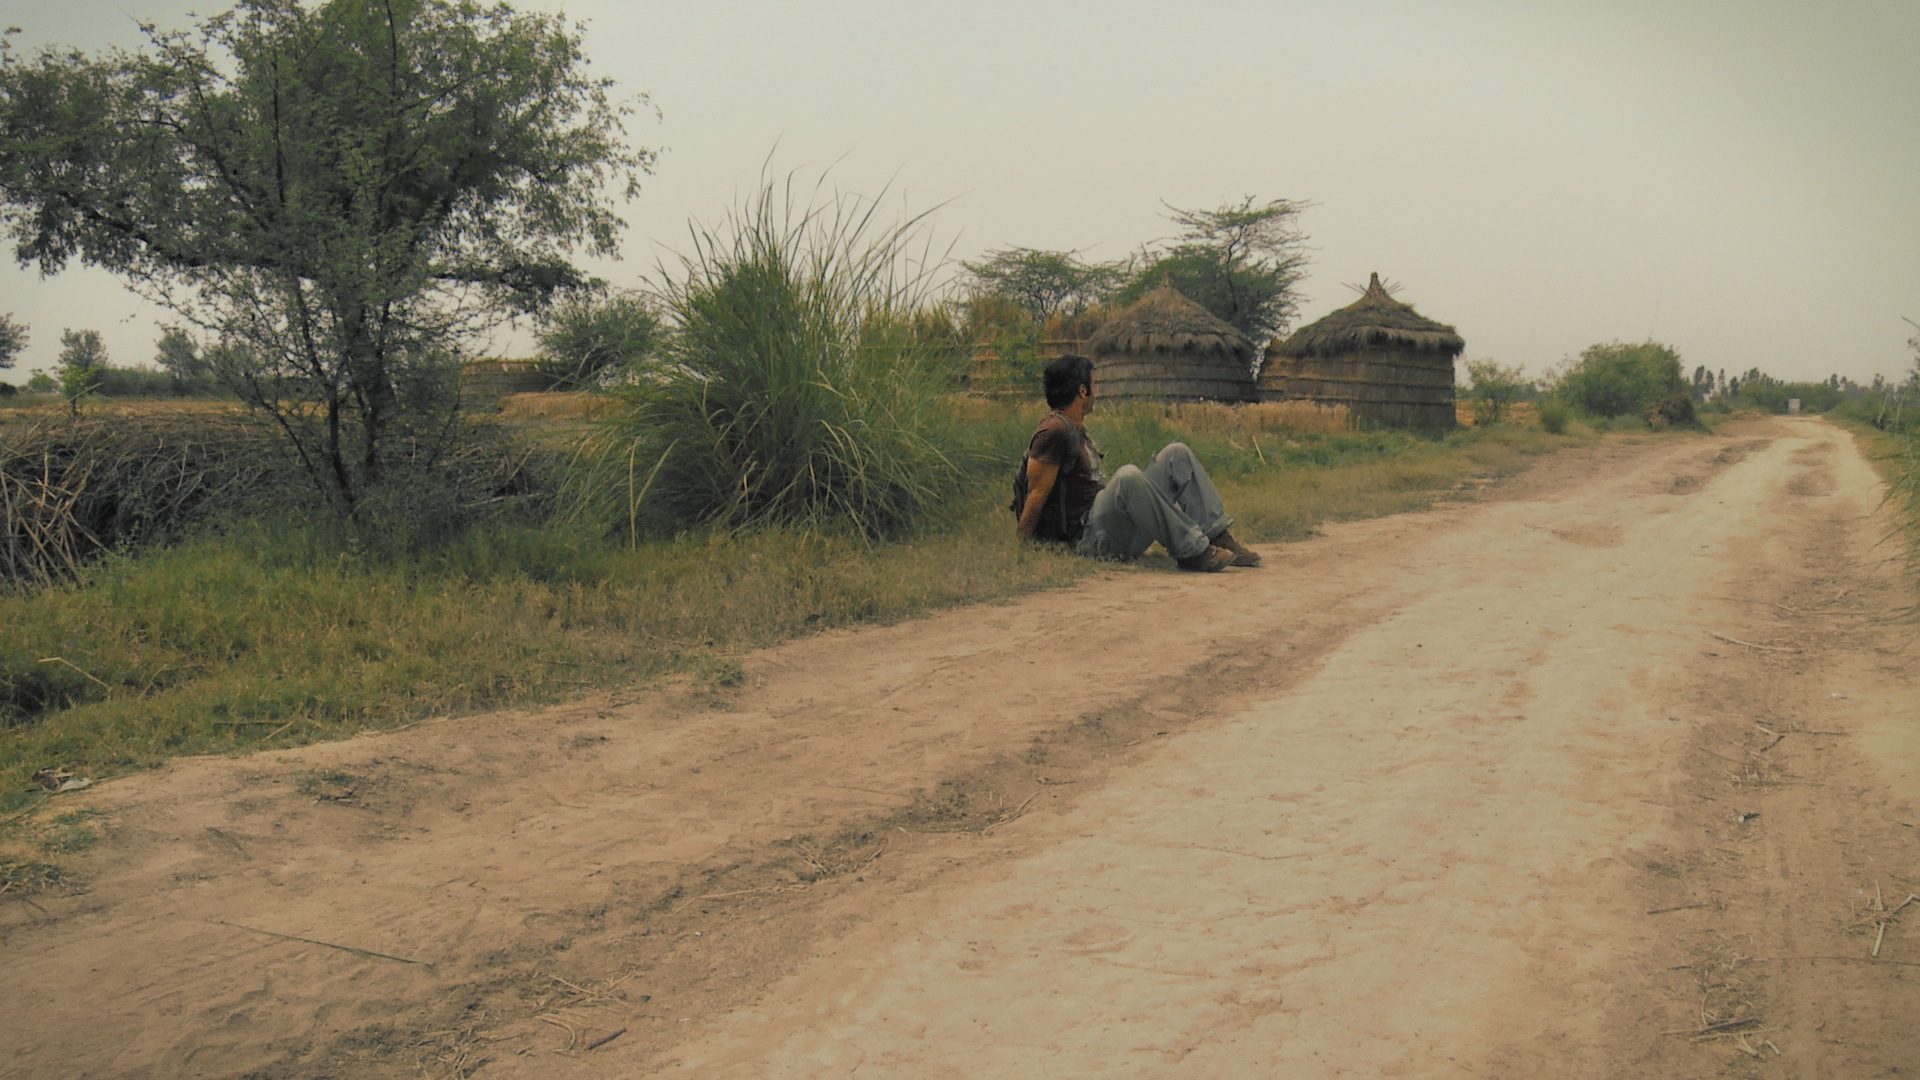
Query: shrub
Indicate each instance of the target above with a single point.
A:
(794, 390)
(1495, 388)
(1555, 414)
(1675, 411)
(1617, 379)
(119, 382)
(585, 336)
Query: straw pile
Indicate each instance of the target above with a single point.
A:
(72, 489)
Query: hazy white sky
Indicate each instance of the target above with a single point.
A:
(1736, 179)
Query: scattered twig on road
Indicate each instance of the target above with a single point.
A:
(326, 944)
(573, 1034)
(605, 1039)
(1724, 1027)
(1753, 645)
(1677, 907)
(730, 893)
(1846, 959)
(1011, 814)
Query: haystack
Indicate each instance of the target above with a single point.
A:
(1377, 356)
(1168, 348)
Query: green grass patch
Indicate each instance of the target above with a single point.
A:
(24, 877)
(68, 834)
(269, 636)
(1895, 455)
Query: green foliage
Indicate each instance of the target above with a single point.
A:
(1043, 283)
(1010, 339)
(1495, 387)
(794, 391)
(343, 191)
(13, 340)
(1770, 394)
(41, 383)
(82, 360)
(1241, 262)
(586, 335)
(1555, 415)
(118, 382)
(189, 373)
(1617, 379)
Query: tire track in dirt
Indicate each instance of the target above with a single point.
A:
(1431, 857)
(1802, 827)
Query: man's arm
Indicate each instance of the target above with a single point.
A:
(1040, 480)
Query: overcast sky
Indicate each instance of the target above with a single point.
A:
(1737, 180)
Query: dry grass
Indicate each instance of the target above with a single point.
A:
(1518, 414)
(1297, 417)
(557, 405)
(71, 489)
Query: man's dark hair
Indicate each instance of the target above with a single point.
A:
(1063, 377)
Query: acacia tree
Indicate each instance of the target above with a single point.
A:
(13, 341)
(1043, 283)
(83, 357)
(1241, 262)
(341, 193)
(1495, 388)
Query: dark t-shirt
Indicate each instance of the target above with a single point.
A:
(1079, 481)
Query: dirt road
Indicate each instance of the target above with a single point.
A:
(1612, 771)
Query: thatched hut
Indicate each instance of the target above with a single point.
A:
(1168, 348)
(1377, 356)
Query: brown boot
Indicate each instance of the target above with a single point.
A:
(1211, 561)
(1242, 554)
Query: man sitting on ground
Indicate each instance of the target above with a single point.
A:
(1068, 501)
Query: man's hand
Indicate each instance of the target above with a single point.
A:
(1040, 480)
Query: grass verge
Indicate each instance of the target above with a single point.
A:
(264, 637)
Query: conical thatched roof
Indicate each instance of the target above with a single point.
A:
(1164, 321)
(1376, 319)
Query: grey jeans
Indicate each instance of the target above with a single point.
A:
(1171, 501)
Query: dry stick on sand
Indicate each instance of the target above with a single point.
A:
(1752, 645)
(605, 1039)
(1009, 815)
(327, 944)
(1844, 959)
(1724, 1027)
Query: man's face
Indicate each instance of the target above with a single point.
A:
(1087, 392)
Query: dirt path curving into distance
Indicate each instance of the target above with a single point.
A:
(1612, 771)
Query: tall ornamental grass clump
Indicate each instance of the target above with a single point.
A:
(792, 390)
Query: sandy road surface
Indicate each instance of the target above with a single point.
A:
(1614, 772)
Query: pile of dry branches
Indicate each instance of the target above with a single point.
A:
(71, 489)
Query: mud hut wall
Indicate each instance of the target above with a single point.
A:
(1184, 378)
(1390, 387)
(1384, 367)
